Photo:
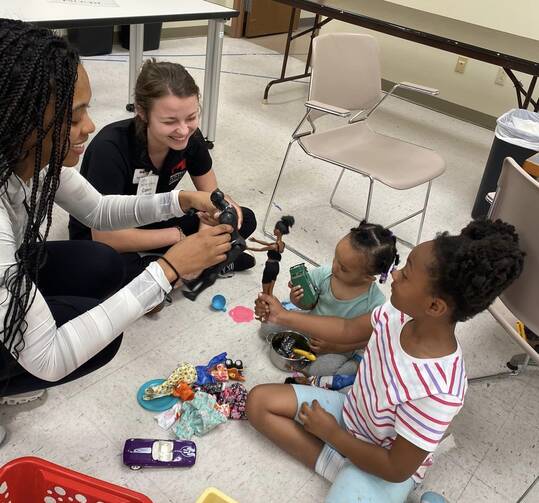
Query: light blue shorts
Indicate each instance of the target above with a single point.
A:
(352, 484)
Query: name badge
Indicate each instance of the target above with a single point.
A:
(147, 185)
(138, 174)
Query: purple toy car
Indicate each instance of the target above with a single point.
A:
(139, 452)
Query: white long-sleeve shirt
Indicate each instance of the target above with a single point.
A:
(51, 353)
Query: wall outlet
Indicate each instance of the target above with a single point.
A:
(461, 64)
(500, 77)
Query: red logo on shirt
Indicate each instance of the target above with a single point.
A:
(182, 165)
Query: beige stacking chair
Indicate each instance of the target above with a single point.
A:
(517, 202)
(345, 82)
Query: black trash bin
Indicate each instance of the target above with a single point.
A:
(152, 36)
(92, 41)
(510, 140)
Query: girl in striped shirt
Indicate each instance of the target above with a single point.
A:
(376, 442)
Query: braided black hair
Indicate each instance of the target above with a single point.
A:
(473, 268)
(283, 225)
(379, 243)
(39, 71)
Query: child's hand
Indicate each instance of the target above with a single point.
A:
(260, 310)
(321, 347)
(317, 421)
(269, 308)
(296, 294)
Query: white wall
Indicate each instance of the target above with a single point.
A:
(408, 61)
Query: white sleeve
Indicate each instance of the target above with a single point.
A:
(51, 353)
(79, 198)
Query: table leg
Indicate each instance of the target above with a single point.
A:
(314, 32)
(136, 50)
(527, 94)
(212, 75)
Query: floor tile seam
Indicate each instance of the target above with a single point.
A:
(505, 495)
(465, 486)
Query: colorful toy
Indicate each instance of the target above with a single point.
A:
(235, 396)
(306, 354)
(238, 364)
(335, 382)
(185, 372)
(220, 372)
(211, 389)
(139, 452)
(184, 392)
(157, 404)
(213, 495)
(203, 372)
(236, 375)
(199, 416)
(218, 303)
(168, 418)
(275, 251)
(191, 289)
(299, 276)
(286, 347)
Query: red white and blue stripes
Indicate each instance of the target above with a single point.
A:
(397, 394)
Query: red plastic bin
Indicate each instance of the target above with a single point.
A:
(30, 479)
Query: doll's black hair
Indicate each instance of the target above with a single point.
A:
(283, 225)
(39, 69)
(380, 245)
(473, 268)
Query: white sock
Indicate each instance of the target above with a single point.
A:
(329, 463)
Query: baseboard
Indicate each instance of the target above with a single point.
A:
(178, 32)
(443, 106)
(187, 31)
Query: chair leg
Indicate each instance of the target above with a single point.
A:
(276, 186)
(265, 230)
(517, 365)
(335, 188)
(369, 199)
(349, 213)
(423, 213)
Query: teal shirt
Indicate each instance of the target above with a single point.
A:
(328, 305)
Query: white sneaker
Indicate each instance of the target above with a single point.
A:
(3, 434)
(21, 398)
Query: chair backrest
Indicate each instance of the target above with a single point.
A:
(346, 70)
(517, 203)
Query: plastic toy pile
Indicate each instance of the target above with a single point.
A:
(197, 398)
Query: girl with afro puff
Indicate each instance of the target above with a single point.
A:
(376, 442)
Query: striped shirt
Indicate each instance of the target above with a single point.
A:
(397, 394)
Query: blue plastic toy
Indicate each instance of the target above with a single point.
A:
(158, 404)
(218, 303)
(432, 497)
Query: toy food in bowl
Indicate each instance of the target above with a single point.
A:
(282, 345)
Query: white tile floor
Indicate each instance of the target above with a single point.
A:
(83, 425)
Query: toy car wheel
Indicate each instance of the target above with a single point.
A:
(135, 467)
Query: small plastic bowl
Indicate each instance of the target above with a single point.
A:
(218, 303)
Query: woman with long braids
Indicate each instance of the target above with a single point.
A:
(61, 310)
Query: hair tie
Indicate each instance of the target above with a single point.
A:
(384, 275)
(178, 277)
